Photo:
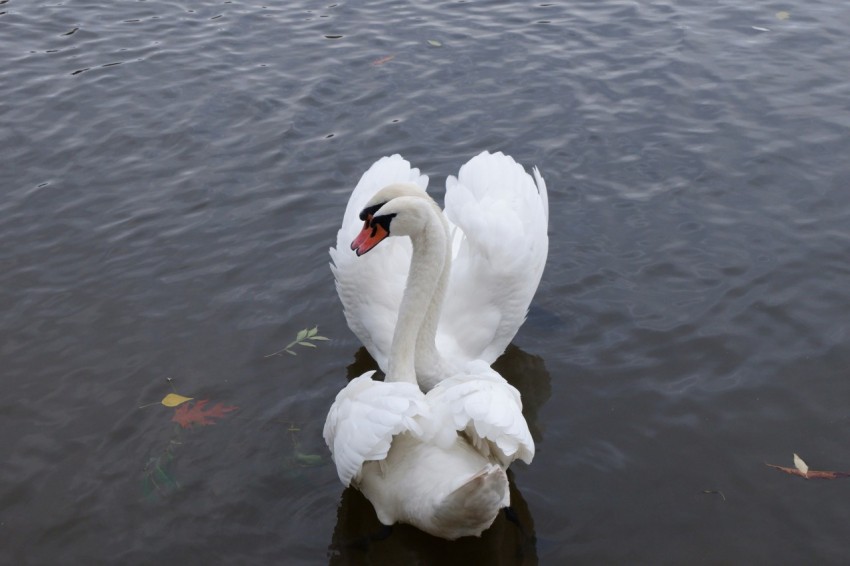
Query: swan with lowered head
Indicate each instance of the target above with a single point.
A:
(401, 447)
(497, 216)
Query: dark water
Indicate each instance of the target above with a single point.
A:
(174, 172)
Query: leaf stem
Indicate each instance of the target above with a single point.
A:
(301, 339)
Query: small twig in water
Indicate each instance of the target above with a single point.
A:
(714, 492)
(301, 339)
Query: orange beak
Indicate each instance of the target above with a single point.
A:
(368, 238)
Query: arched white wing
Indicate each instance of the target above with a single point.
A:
(487, 409)
(364, 418)
(500, 245)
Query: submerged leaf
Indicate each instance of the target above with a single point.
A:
(308, 459)
(187, 416)
(173, 400)
(434, 43)
(715, 492)
(783, 15)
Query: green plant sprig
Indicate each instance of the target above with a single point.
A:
(303, 338)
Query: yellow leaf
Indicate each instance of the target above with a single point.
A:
(173, 399)
(782, 15)
(800, 465)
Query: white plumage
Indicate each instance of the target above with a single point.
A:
(402, 450)
(498, 221)
(487, 410)
(365, 416)
(436, 460)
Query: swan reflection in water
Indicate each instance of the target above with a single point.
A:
(360, 538)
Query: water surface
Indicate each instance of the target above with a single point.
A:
(174, 173)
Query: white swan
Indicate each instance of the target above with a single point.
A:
(401, 447)
(498, 220)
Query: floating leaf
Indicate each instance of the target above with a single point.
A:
(782, 15)
(301, 339)
(803, 471)
(382, 60)
(173, 400)
(187, 415)
(434, 43)
(800, 464)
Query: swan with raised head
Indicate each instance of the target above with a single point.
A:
(400, 447)
(497, 216)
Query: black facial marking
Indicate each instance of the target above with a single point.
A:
(383, 221)
(369, 211)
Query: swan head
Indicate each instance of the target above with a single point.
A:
(400, 209)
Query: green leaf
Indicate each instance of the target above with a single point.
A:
(161, 473)
(313, 331)
(147, 488)
(291, 352)
(318, 338)
(308, 459)
(434, 43)
(307, 344)
(301, 335)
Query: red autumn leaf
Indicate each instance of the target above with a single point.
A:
(186, 415)
(811, 474)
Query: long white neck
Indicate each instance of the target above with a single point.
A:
(423, 279)
(431, 368)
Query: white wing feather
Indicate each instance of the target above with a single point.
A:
(370, 287)
(500, 246)
(488, 409)
(364, 418)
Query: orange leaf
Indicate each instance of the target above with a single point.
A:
(186, 415)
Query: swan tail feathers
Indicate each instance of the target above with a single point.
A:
(475, 504)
